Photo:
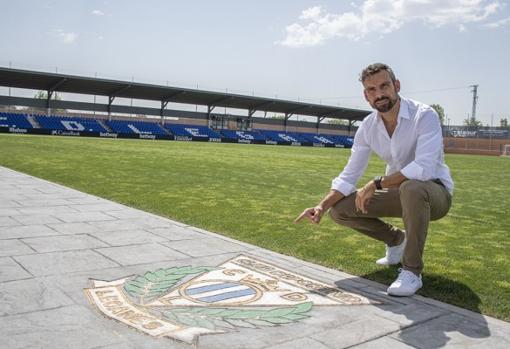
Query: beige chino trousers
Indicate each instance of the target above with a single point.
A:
(417, 202)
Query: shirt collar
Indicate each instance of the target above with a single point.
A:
(404, 109)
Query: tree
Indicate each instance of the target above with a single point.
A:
(472, 122)
(440, 111)
(44, 95)
(503, 122)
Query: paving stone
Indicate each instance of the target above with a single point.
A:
(8, 212)
(64, 262)
(10, 270)
(125, 213)
(74, 228)
(177, 233)
(320, 320)
(454, 330)
(36, 219)
(383, 343)
(66, 327)
(30, 295)
(43, 202)
(205, 247)
(407, 314)
(137, 254)
(26, 231)
(8, 222)
(83, 217)
(88, 199)
(8, 204)
(63, 243)
(13, 247)
(116, 225)
(127, 237)
(361, 330)
(51, 210)
(96, 207)
(301, 343)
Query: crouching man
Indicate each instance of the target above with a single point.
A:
(417, 185)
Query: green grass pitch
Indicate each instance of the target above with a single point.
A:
(253, 192)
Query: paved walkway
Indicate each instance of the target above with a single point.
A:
(54, 240)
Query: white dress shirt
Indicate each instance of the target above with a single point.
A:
(415, 148)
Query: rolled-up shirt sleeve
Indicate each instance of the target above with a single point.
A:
(345, 183)
(429, 147)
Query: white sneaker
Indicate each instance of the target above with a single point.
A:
(406, 284)
(393, 254)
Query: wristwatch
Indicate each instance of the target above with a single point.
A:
(377, 182)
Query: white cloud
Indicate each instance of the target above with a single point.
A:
(498, 24)
(315, 26)
(67, 38)
(98, 13)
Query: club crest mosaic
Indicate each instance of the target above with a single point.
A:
(184, 302)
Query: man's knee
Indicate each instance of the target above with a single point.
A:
(413, 189)
(339, 213)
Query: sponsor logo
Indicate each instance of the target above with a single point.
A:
(214, 139)
(318, 144)
(339, 146)
(247, 141)
(182, 138)
(272, 142)
(107, 134)
(184, 302)
(295, 143)
(17, 130)
(146, 136)
(64, 133)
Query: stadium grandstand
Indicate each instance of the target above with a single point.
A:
(54, 117)
(74, 118)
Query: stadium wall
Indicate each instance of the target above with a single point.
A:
(476, 146)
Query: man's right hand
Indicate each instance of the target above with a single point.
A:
(314, 215)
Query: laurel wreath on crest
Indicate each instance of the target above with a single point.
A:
(230, 318)
(153, 284)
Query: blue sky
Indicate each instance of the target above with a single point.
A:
(302, 50)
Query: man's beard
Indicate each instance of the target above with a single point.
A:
(384, 108)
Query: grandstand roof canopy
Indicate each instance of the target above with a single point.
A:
(114, 88)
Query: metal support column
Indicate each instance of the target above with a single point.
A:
(210, 108)
(351, 122)
(110, 101)
(319, 120)
(162, 111)
(287, 117)
(50, 91)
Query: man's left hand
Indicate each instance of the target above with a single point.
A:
(364, 195)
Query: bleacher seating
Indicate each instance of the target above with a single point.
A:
(345, 141)
(135, 127)
(192, 131)
(278, 136)
(77, 124)
(242, 135)
(69, 123)
(14, 120)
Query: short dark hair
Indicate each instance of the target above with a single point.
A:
(375, 68)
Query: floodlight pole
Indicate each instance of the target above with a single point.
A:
(475, 99)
